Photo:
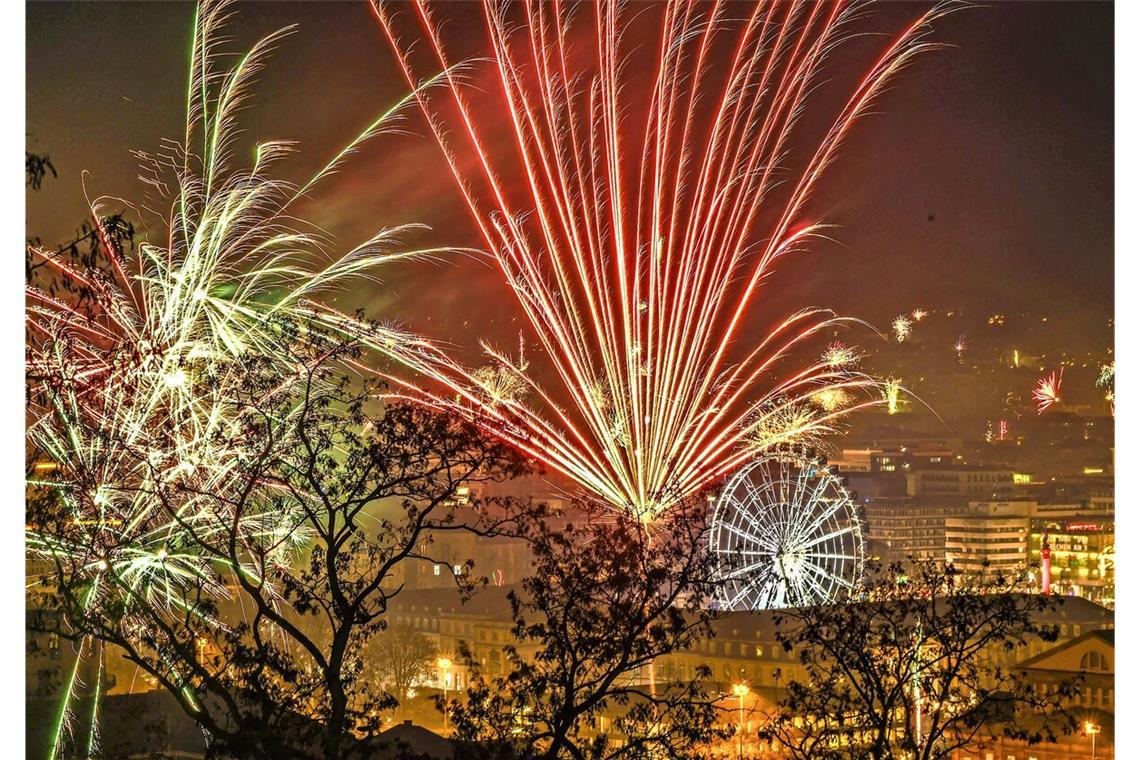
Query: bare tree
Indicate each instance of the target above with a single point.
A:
(401, 657)
(922, 664)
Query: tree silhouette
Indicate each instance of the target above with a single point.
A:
(36, 168)
(608, 596)
(85, 250)
(922, 664)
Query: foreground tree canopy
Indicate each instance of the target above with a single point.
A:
(923, 664)
(606, 600)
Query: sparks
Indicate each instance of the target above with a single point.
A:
(1047, 394)
(631, 238)
(891, 388)
(782, 422)
(831, 399)
(840, 355)
(1107, 380)
(901, 327)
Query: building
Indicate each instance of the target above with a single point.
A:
(991, 543)
(903, 528)
(898, 459)
(1003, 535)
(1009, 536)
(1102, 499)
(744, 648)
(500, 559)
(1089, 657)
(1082, 553)
(961, 482)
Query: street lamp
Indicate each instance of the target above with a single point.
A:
(444, 665)
(741, 691)
(1092, 729)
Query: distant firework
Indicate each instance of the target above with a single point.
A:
(901, 327)
(781, 422)
(1047, 394)
(832, 399)
(840, 355)
(644, 222)
(891, 389)
(960, 346)
(919, 314)
(1106, 378)
(1107, 381)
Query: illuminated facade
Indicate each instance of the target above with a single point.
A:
(901, 529)
(985, 542)
(1082, 554)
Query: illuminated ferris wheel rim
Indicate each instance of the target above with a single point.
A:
(785, 533)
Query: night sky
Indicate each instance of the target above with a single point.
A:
(982, 182)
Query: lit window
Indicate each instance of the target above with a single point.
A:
(436, 569)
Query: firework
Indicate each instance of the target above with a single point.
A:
(840, 355)
(1047, 394)
(960, 346)
(1107, 380)
(918, 314)
(831, 399)
(134, 383)
(632, 237)
(891, 389)
(782, 422)
(1107, 375)
(503, 380)
(901, 327)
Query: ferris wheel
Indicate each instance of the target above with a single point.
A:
(785, 533)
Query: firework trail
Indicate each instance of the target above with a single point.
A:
(133, 374)
(643, 223)
(1047, 394)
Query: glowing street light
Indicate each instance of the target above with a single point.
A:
(741, 691)
(1092, 729)
(444, 665)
